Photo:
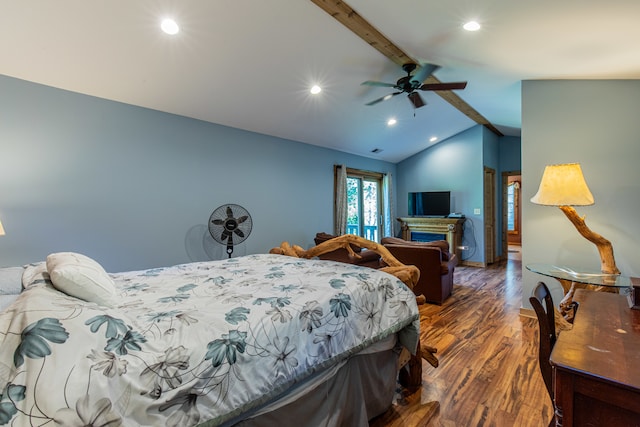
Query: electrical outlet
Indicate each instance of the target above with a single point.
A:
(476, 211)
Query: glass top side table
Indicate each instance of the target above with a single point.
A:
(579, 276)
(572, 279)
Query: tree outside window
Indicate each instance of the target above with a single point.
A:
(364, 204)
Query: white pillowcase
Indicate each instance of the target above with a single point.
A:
(82, 277)
(35, 274)
(11, 280)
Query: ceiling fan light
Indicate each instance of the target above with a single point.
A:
(316, 89)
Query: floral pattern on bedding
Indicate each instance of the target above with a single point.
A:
(191, 344)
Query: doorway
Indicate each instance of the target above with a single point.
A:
(512, 213)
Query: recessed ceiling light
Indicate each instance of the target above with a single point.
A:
(316, 89)
(392, 122)
(471, 26)
(433, 139)
(169, 26)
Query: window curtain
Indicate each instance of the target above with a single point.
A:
(340, 214)
(389, 214)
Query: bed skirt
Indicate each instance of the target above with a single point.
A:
(361, 389)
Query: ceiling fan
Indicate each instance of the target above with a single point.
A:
(410, 84)
(352, 20)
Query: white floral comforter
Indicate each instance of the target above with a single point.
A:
(191, 344)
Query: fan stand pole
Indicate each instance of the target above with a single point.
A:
(230, 245)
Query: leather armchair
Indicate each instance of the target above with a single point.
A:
(367, 258)
(433, 259)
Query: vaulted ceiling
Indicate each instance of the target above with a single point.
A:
(250, 64)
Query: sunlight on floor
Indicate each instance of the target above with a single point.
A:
(515, 252)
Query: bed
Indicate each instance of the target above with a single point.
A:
(255, 340)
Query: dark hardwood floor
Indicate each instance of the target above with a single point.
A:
(488, 373)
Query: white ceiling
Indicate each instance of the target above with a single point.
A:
(249, 64)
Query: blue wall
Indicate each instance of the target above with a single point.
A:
(454, 165)
(594, 123)
(510, 150)
(134, 188)
(457, 164)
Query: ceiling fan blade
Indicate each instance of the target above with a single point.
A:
(384, 98)
(425, 71)
(416, 100)
(443, 86)
(353, 21)
(372, 83)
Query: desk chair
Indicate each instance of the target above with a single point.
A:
(547, 326)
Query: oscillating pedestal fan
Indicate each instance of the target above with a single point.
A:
(230, 225)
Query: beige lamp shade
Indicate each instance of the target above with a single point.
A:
(563, 185)
(1, 229)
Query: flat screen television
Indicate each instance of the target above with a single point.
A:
(430, 203)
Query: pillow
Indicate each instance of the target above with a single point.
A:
(11, 280)
(35, 274)
(81, 277)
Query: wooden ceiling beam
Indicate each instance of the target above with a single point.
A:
(348, 17)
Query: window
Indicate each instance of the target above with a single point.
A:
(513, 220)
(364, 204)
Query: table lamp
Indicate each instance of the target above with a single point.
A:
(564, 186)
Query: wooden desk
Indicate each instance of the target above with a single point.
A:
(597, 364)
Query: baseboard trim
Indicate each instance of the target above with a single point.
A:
(473, 264)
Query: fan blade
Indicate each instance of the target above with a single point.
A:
(218, 222)
(242, 219)
(416, 100)
(384, 98)
(425, 71)
(443, 86)
(238, 232)
(372, 83)
(229, 212)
